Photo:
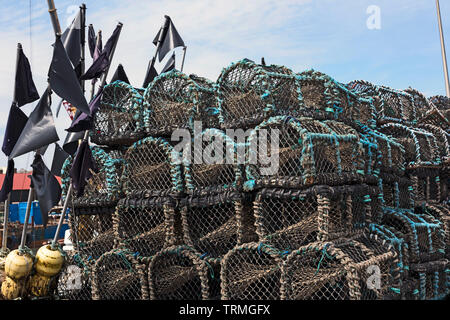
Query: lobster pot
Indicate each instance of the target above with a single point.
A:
(181, 273)
(74, 280)
(421, 103)
(152, 168)
(427, 185)
(338, 271)
(146, 225)
(303, 152)
(289, 219)
(442, 140)
(423, 233)
(248, 93)
(117, 275)
(441, 213)
(391, 105)
(252, 271)
(322, 98)
(118, 120)
(174, 100)
(432, 279)
(213, 167)
(396, 192)
(442, 104)
(215, 224)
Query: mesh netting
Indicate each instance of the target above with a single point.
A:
(117, 275)
(338, 271)
(442, 140)
(421, 103)
(145, 226)
(181, 273)
(396, 191)
(152, 168)
(427, 185)
(175, 100)
(288, 219)
(74, 280)
(441, 213)
(118, 120)
(433, 278)
(248, 93)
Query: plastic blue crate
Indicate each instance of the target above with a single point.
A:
(14, 212)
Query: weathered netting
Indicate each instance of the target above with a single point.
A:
(213, 165)
(248, 93)
(181, 273)
(288, 219)
(442, 103)
(174, 100)
(442, 213)
(153, 167)
(118, 275)
(309, 152)
(338, 271)
(436, 115)
(118, 120)
(432, 279)
(421, 103)
(424, 234)
(322, 98)
(145, 226)
(74, 280)
(215, 224)
(252, 271)
(396, 191)
(442, 140)
(391, 105)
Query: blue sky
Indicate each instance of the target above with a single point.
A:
(328, 35)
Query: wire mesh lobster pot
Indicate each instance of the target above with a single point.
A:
(252, 271)
(441, 213)
(215, 224)
(214, 167)
(322, 97)
(304, 152)
(421, 103)
(432, 279)
(391, 105)
(174, 100)
(339, 271)
(91, 215)
(424, 234)
(396, 191)
(74, 280)
(153, 168)
(289, 219)
(442, 103)
(118, 120)
(181, 273)
(248, 93)
(146, 226)
(118, 275)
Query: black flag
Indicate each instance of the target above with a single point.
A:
(102, 62)
(39, 130)
(8, 182)
(83, 121)
(92, 40)
(58, 160)
(81, 169)
(71, 39)
(47, 188)
(170, 65)
(63, 80)
(16, 122)
(170, 39)
(71, 142)
(151, 74)
(25, 90)
(120, 75)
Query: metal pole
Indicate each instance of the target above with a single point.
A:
(27, 217)
(184, 55)
(54, 17)
(83, 42)
(444, 55)
(5, 224)
(19, 50)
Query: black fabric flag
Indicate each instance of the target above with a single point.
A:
(151, 73)
(58, 160)
(8, 182)
(120, 75)
(25, 90)
(63, 80)
(170, 65)
(81, 168)
(71, 142)
(16, 122)
(91, 40)
(71, 39)
(102, 62)
(47, 188)
(170, 39)
(83, 121)
(39, 130)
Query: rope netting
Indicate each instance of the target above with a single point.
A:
(440, 212)
(432, 279)
(75, 278)
(421, 103)
(118, 120)
(396, 191)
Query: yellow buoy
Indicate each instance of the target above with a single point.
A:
(39, 285)
(13, 289)
(48, 261)
(18, 265)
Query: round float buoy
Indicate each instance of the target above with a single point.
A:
(48, 261)
(39, 285)
(18, 265)
(12, 289)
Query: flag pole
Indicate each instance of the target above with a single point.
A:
(85, 138)
(184, 55)
(444, 56)
(27, 217)
(83, 43)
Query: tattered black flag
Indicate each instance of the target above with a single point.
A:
(83, 121)
(82, 168)
(58, 160)
(25, 90)
(71, 39)
(170, 65)
(8, 182)
(170, 39)
(151, 73)
(16, 122)
(63, 80)
(92, 40)
(71, 142)
(120, 75)
(47, 188)
(39, 130)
